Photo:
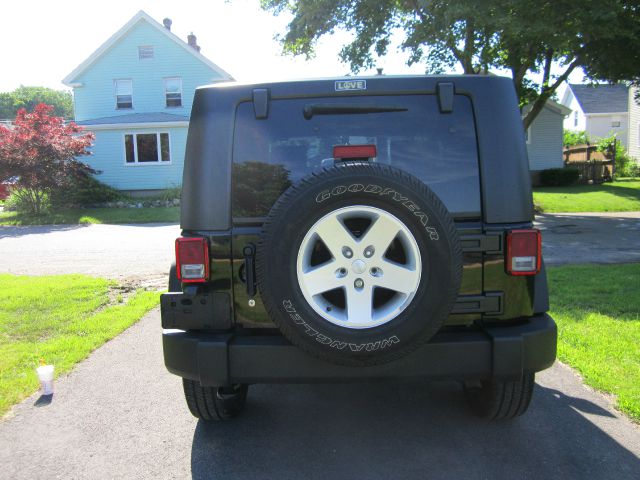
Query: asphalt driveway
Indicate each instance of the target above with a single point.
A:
(119, 414)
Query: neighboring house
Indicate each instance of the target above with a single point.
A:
(600, 110)
(544, 138)
(634, 124)
(135, 93)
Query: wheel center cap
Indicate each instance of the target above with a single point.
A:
(359, 266)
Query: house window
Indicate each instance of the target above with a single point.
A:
(145, 52)
(527, 135)
(575, 118)
(615, 124)
(124, 93)
(173, 91)
(147, 148)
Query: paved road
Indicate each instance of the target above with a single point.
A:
(119, 414)
(142, 251)
(590, 238)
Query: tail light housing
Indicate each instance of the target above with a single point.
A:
(524, 252)
(192, 260)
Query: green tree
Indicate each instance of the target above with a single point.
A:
(40, 152)
(550, 39)
(29, 97)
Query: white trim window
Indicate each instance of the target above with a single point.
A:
(527, 135)
(147, 148)
(575, 118)
(145, 52)
(173, 91)
(124, 93)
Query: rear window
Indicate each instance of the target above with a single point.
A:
(271, 154)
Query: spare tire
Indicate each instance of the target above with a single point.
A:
(359, 264)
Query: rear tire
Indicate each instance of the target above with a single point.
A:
(501, 400)
(214, 403)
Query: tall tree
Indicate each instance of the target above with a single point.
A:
(29, 97)
(540, 43)
(40, 151)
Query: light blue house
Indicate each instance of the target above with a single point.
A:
(135, 93)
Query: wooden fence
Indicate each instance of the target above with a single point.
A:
(594, 165)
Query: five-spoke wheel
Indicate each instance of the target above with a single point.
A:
(359, 267)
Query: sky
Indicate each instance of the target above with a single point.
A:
(43, 41)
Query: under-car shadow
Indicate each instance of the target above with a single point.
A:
(404, 431)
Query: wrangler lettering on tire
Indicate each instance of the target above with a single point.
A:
(359, 264)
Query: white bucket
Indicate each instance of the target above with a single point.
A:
(45, 375)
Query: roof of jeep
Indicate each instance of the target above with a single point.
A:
(374, 83)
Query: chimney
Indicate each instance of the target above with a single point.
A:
(167, 23)
(379, 70)
(191, 40)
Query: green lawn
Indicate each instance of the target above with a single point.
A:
(619, 196)
(597, 309)
(95, 215)
(60, 319)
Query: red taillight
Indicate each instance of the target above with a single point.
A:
(192, 259)
(354, 151)
(524, 252)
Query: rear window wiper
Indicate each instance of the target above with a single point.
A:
(341, 109)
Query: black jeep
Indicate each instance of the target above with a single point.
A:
(357, 229)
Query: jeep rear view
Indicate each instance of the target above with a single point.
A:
(357, 229)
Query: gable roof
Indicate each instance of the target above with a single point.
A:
(141, 16)
(601, 98)
(553, 106)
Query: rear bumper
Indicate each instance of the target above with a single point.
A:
(503, 352)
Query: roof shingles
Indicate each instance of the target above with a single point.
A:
(601, 98)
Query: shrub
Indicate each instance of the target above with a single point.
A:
(559, 177)
(170, 194)
(624, 163)
(22, 200)
(571, 138)
(84, 190)
(634, 169)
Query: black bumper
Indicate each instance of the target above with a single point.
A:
(501, 352)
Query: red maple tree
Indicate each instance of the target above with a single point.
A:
(40, 152)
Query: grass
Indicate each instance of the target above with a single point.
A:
(620, 196)
(60, 319)
(94, 215)
(597, 309)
